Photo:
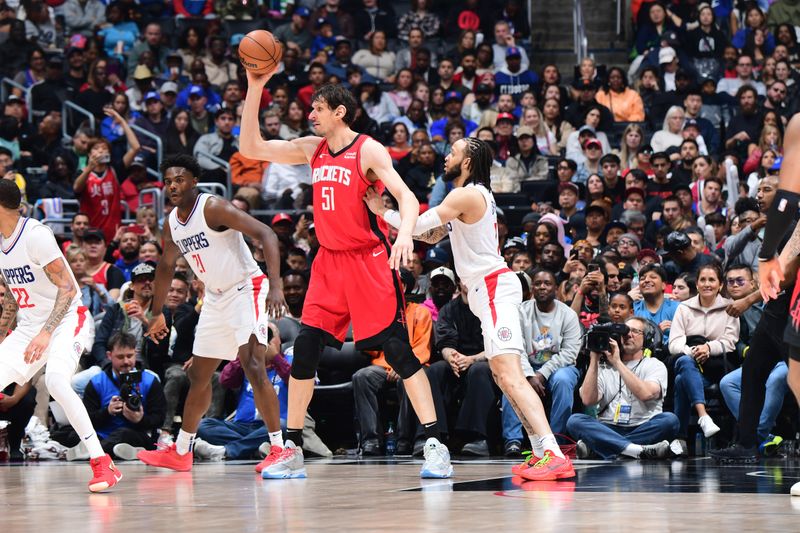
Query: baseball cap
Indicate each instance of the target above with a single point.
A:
(281, 217)
(342, 41)
(139, 161)
(635, 190)
(14, 99)
(236, 38)
(531, 218)
(522, 131)
(648, 252)
(691, 122)
(152, 95)
(437, 255)
(568, 185)
(94, 234)
(584, 85)
(442, 271)
(593, 141)
(594, 209)
(615, 224)
(78, 42)
(504, 116)
(169, 87)
(452, 95)
(676, 241)
(514, 242)
(134, 228)
(55, 60)
(312, 227)
(147, 268)
(483, 88)
(196, 90)
(666, 55)
(303, 12)
(513, 51)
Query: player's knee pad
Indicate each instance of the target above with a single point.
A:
(307, 350)
(401, 357)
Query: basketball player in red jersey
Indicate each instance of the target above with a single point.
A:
(350, 277)
(771, 268)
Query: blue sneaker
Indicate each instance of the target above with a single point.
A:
(289, 465)
(771, 446)
(437, 461)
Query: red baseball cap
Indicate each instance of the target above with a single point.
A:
(281, 217)
(505, 116)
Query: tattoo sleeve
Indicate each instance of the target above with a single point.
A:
(58, 274)
(432, 236)
(792, 248)
(9, 311)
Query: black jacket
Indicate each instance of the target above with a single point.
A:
(458, 328)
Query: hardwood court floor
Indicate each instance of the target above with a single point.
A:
(344, 495)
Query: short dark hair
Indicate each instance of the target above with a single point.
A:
(653, 267)
(659, 155)
(10, 195)
(121, 339)
(628, 299)
(740, 266)
(715, 219)
(314, 65)
(610, 158)
(181, 161)
(224, 111)
(79, 214)
(335, 96)
(573, 166)
(6, 151)
(538, 270)
(180, 276)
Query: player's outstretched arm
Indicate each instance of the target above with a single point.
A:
(781, 213)
(221, 213)
(164, 271)
(9, 311)
(252, 146)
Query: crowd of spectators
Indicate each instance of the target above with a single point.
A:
(632, 194)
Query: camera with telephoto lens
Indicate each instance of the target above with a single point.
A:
(598, 339)
(128, 390)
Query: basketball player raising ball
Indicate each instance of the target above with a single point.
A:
(208, 231)
(53, 328)
(771, 269)
(354, 276)
(468, 213)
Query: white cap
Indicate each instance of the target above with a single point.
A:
(442, 271)
(169, 86)
(666, 55)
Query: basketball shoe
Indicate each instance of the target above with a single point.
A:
(105, 474)
(549, 468)
(437, 461)
(273, 455)
(288, 465)
(529, 459)
(167, 458)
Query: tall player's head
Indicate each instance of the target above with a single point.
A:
(332, 107)
(469, 161)
(180, 173)
(10, 199)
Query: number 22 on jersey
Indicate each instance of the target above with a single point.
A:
(23, 298)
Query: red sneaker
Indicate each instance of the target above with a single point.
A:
(167, 458)
(529, 461)
(274, 454)
(549, 468)
(105, 474)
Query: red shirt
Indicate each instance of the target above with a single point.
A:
(341, 218)
(130, 193)
(101, 201)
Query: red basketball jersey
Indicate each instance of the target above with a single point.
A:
(341, 218)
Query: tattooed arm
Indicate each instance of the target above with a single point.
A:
(9, 311)
(58, 273)
(792, 248)
(432, 236)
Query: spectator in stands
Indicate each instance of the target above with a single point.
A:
(744, 77)
(103, 272)
(180, 137)
(123, 431)
(38, 26)
(503, 41)
(511, 78)
(683, 257)
(50, 94)
(555, 123)
(35, 72)
(577, 111)
(654, 306)
(453, 106)
(743, 247)
(684, 286)
(770, 139)
(418, 17)
(376, 59)
(126, 242)
(706, 43)
(400, 146)
(527, 164)
(745, 126)
(84, 16)
(152, 43)
(377, 104)
(96, 94)
(119, 34)
(592, 152)
(406, 57)
(442, 284)
(16, 407)
(702, 334)
(625, 104)
(552, 336)
(294, 123)
(670, 134)
(221, 143)
(219, 69)
(15, 51)
(577, 139)
(59, 179)
(94, 296)
(692, 105)
(629, 390)
(591, 299)
(754, 20)
(653, 29)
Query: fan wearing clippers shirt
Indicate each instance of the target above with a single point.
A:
(469, 215)
(208, 231)
(52, 327)
(354, 275)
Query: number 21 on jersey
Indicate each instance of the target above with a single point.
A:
(198, 263)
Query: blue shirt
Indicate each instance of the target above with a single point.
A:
(665, 312)
(246, 408)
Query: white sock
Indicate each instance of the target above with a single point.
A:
(549, 443)
(60, 389)
(632, 450)
(276, 438)
(185, 442)
(536, 446)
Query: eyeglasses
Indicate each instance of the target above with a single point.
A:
(738, 282)
(635, 331)
(744, 64)
(563, 167)
(626, 242)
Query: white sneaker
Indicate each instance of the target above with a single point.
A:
(708, 426)
(164, 440)
(437, 461)
(678, 448)
(208, 452)
(290, 464)
(78, 452)
(655, 451)
(125, 452)
(795, 489)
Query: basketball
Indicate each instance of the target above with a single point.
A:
(260, 52)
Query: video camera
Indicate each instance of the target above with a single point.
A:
(598, 338)
(128, 390)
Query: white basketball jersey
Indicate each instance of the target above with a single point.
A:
(23, 256)
(475, 246)
(220, 259)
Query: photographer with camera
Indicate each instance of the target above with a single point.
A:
(629, 390)
(125, 405)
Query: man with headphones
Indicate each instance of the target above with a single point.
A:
(629, 390)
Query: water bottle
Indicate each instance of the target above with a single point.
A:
(391, 442)
(699, 444)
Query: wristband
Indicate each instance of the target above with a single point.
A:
(392, 218)
(781, 214)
